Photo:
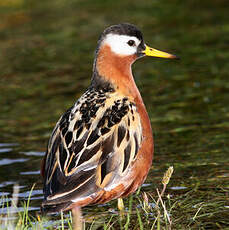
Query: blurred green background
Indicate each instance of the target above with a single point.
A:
(46, 56)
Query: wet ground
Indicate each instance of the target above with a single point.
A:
(46, 55)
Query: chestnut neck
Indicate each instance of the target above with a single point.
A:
(115, 71)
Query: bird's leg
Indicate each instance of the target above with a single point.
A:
(120, 204)
(77, 218)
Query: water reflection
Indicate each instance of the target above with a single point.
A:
(178, 187)
(6, 161)
(32, 153)
(14, 165)
(30, 173)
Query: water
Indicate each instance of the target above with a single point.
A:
(46, 55)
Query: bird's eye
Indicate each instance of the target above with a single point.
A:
(131, 42)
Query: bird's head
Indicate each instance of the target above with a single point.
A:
(118, 47)
(125, 40)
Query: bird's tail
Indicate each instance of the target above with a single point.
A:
(53, 208)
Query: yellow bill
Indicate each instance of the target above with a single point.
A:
(157, 53)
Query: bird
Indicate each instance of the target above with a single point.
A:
(102, 147)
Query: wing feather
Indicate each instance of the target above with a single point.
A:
(92, 146)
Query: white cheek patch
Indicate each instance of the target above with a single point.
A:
(119, 45)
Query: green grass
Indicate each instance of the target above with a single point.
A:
(143, 210)
(137, 207)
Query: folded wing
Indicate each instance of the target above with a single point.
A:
(92, 146)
